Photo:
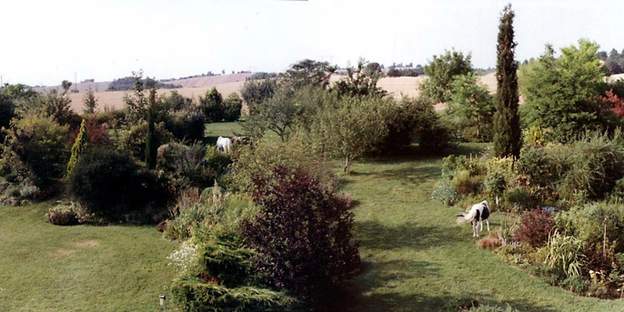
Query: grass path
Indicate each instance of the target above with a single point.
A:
(44, 267)
(417, 259)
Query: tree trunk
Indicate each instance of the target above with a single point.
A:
(347, 165)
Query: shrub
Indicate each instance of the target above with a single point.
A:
(185, 166)
(212, 105)
(597, 163)
(618, 190)
(134, 139)
(215, 268)
(535, 227)
(201, 215)
(492, 241)
(540, 166)
(499, 176)
(519, 198)
(97, 133)
(536, 136)
(218, 162)
(111, 185)
(302, 233)
(409, 121)
(41, 144)
(232, 107)
(465, 184)
(455, 163)
(257, 162)
(193, 295)
(445, 193)
(62, 215)
(187, 125)
(589, 222)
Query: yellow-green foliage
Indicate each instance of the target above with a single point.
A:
(536, 136)
(195, 295)
(80, 143)
(499, 176)
(259, 160)
(565, 255)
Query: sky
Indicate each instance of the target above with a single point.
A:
(44, 42)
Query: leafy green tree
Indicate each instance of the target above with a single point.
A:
(277, 114)
(441, 72)
(136, 102)
(232, 107)
(177, 102)
(307, 73)
(255, 92)
(212, 105)
(80, 143)
(352, 127)
(66, 85)
(41, 144)
(561, 93)
(11, 98)
(471, 108)
(90, 102)
(361, 81)
(57, 106)
(507, 133)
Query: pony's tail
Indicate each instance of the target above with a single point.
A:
(463, 218)
(467, 216)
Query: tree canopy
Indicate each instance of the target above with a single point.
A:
(441, 71)
(561, 92)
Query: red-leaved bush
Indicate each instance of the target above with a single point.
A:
(302, 233)
(535, 227)
(614, 102)
(97, 133)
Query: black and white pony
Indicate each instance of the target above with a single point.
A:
(476, 216)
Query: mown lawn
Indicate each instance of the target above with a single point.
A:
(44, 267)
(417, 259)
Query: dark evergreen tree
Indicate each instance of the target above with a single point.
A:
(507, 135)
(150, 140)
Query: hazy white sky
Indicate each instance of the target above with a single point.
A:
(44, 42)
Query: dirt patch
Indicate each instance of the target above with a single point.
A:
(62, 253)
(87, 243)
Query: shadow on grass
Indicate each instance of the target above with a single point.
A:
(375, 235)
(412, 175)
(390, 301)
(413, 153)
(379, 286)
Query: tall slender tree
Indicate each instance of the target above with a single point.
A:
(507, 135)
(150, 140)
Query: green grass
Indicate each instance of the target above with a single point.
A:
(417, 259)
(44, 267)
(216, 129)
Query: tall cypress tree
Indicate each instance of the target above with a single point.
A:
(150, 140)
(507, 135)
